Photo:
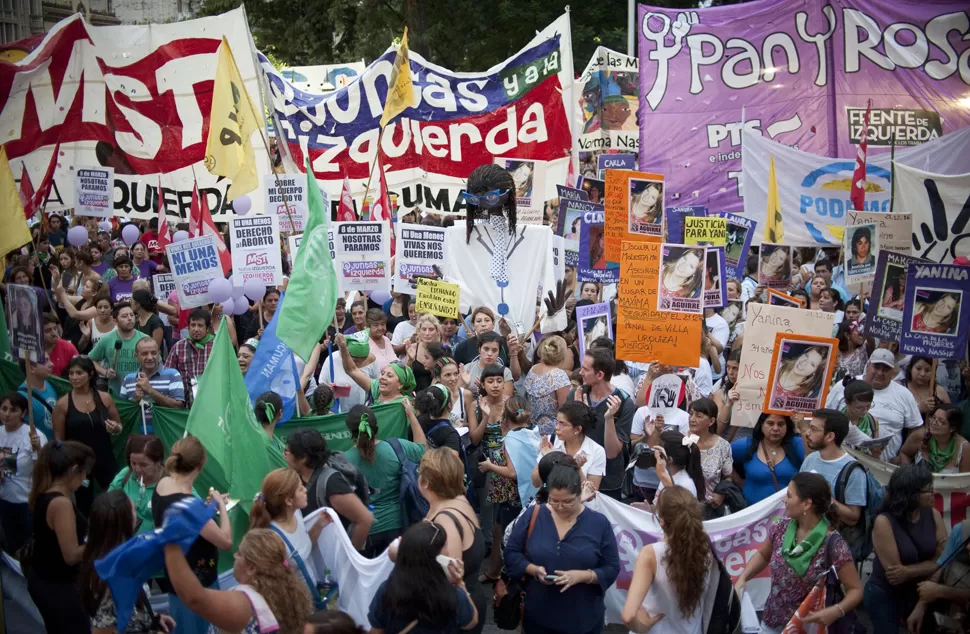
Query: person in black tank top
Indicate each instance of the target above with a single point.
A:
(184, 465)
(88, 416)
(442, 483)
(50, 570)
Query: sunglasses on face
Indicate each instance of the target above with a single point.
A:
(487, 200)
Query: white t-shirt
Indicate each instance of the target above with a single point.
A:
(17, 463)
(595, 456)
(677, 420)
(625, 383)
(703, 377)
(403, 332)
(894, 407)
(300, 541)
(681, 479)
(720, 330)
(357, 395)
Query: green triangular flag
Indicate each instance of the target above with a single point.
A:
(225, 423)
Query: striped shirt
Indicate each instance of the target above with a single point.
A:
(165, 381)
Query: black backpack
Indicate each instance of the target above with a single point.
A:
(338, 463)
(859, 536)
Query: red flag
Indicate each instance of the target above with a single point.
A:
(345, 211)
(40, 196)
(204, 226)
(383, 208)
(26, 192)
(858, 194)
(163, 235)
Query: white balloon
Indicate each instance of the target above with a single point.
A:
(180, 236)
(242, 205)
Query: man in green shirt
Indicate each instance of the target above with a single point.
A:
(114, 354)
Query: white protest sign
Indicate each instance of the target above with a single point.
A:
(895, 230)
(195, 263)
(363, 255)
(292, 187)
(559, 257)
(761, 326)
(163, 283)
(94, 189)
(418, 248)
(665, 394)
(294, 240)
(255, 244)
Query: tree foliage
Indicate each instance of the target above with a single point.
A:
(461, 35)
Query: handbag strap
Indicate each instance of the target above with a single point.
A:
(771, 467)
(413, 624)
(317, 600)
(528, 533)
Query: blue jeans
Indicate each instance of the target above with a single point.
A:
(883, 607)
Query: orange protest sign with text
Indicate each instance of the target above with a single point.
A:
(634, 209)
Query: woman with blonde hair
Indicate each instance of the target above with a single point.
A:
(671, 577)
(442, 483)
(278, 506)
(270, 598)
(184, 465)
(547, 384)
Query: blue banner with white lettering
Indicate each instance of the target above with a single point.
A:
(273, 368)
(936, 316)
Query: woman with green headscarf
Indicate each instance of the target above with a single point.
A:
(269, 411)
(396, 381)
(800, 548)
(378, 461)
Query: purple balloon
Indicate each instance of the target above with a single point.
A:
(238, 291)
(104, 225)
(220, 290)
(242, 205)
(240, 306)
(379, 297)
(254, 289)
(77, 236)
(180, 236)
(130, 234)
(228, 306)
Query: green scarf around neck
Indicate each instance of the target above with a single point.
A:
(941, 456)
(865, 423)
(799, 556)
(200, 344)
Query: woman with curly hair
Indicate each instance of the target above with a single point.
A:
(671, 577)
(907, 536)
(271, 596)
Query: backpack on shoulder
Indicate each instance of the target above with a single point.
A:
(413, 505)
(338, 463)
(859, 537)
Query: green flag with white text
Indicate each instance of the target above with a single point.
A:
(222, 418)
(311, 294)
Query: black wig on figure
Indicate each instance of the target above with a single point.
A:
(484, 179)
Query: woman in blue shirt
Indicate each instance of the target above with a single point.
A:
(766, 462)
(569, 560)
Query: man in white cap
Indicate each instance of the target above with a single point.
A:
(893, 405)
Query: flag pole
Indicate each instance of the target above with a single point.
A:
(370, 176)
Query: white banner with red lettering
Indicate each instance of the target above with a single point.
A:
(133, 98)
(951, 490)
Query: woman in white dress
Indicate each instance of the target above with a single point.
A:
(668, 591)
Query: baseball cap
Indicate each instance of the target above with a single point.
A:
(883, 357)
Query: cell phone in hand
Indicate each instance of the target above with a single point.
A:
(551, 577)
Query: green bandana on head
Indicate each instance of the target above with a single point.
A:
(358, 344)
(405, 376)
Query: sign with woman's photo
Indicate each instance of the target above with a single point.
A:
(645, 207)
(529, 179)
(775, 265)
(936, 316)
(801, 371)
(861, 249)
(681, 281)
(885, 317)
(595, 189)
(26, 327)
(738, 234)
(777, 298)
(593, 266)
(592, 322)
(714, 293)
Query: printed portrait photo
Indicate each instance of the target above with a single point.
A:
(774, 266)
(734, 244)
(892, 293)
(646, 206)
(594, 188)
(522, 175)
(682, 271)
(860, 249)
(936, 311)
(800, 375)
(597, 247)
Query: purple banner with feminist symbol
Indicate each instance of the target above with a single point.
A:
(799, 72)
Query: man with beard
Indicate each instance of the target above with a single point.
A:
(824, 437)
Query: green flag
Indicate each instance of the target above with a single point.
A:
(4, 336)
(225, 423)
(311, 295)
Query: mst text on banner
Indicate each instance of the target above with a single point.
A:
(133, 99)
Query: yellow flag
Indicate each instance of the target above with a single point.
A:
(15, 232)
(400, 91)
(232, 121)
(774, 227)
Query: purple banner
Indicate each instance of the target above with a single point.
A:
(796, 71)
